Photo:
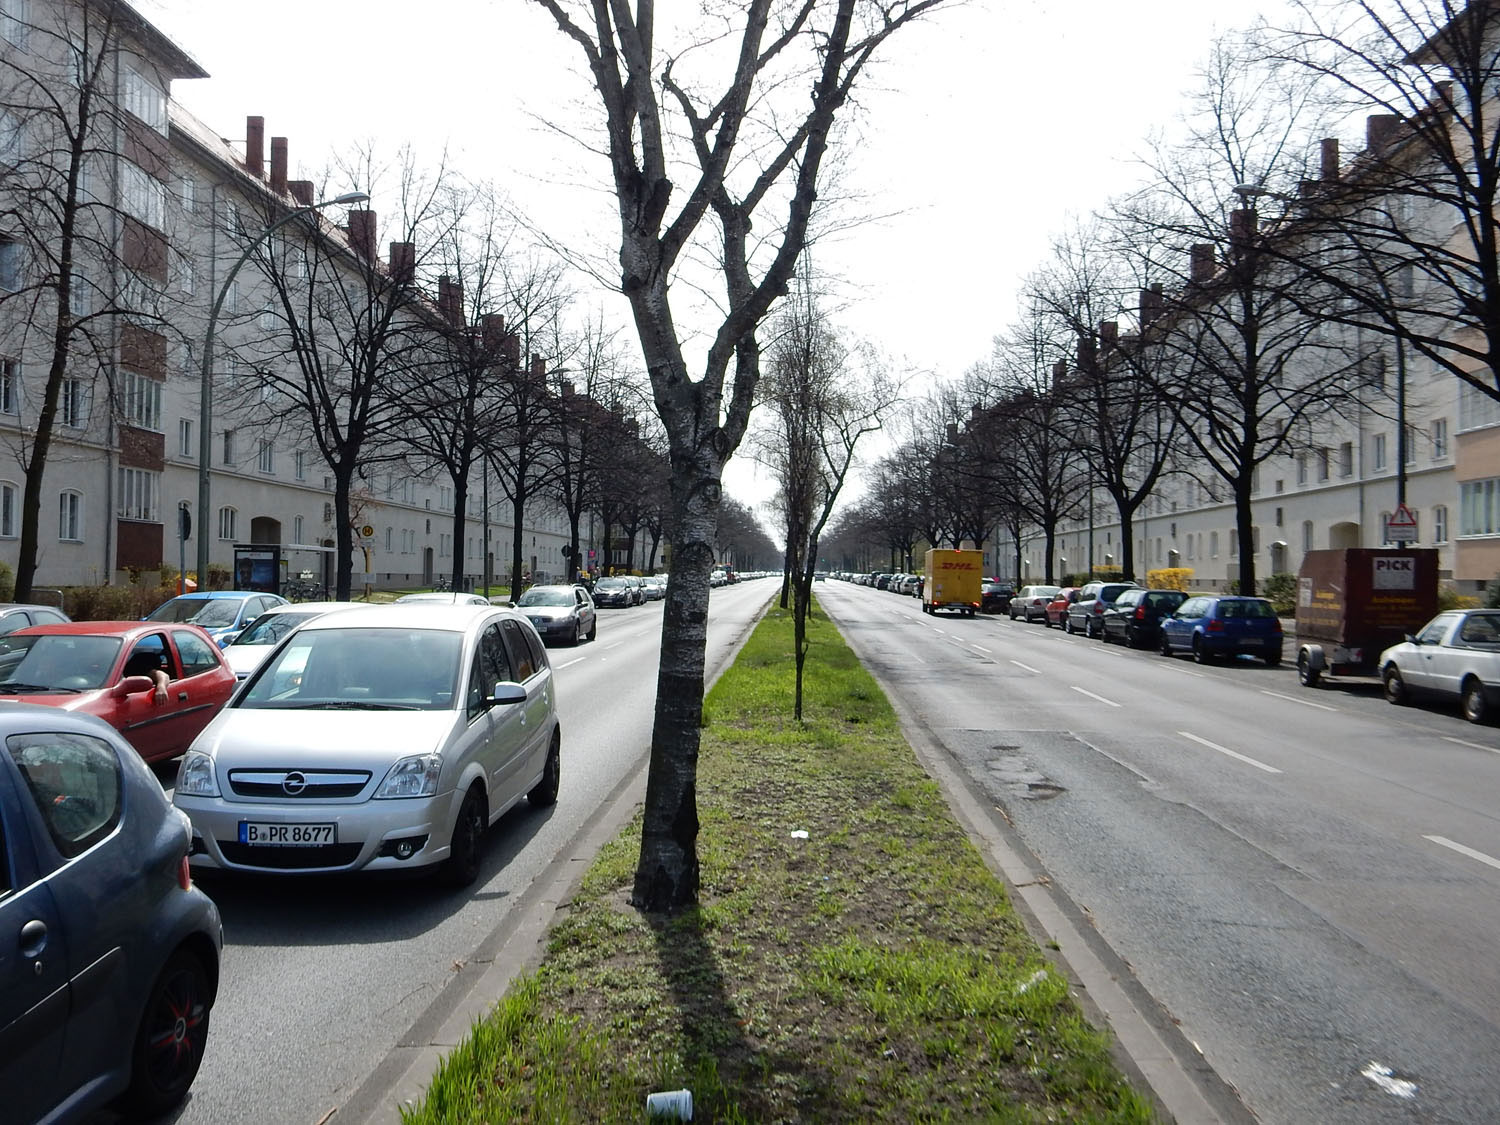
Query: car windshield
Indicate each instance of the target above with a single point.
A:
(211, 613)
(547, 595)
(56, 663)
(360, 669)
(610, 584)
(1245, 607)
(269, 628)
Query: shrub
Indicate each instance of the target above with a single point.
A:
(7, 583)
(1492, 593)
(107, 603)
(1170, 578)
(1450, 598)
(1281, 591)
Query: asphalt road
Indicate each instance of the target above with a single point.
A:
(1307, 880)
(323, 977)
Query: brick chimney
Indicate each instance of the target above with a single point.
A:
(510, 349)
(975, 413)
(302, 191)
(567, 388)
(362, 234)
(255, 146)
(1328, 167)
(492, 325)
(278, 165)
(538, 367)
(1109, 334)
(1379, 129)
(1085, 353)
(1151, 304)
(1242, 226)
(1201, 261)
(403, 260)
(450, 300)
(1059, 374)
(952, 433)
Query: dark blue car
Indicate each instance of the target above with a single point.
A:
(1225, 625)
(109, 956)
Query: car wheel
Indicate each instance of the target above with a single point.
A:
(1273, 661)
(545, 792)
(1200, 654)
(593, 629)
(1067, 625)
(462, 865)
(1476, 705)
(1395, 686)
(1307, 675)
(578, 633)
(1166, 645)
(170, 1039)
(1132, 638)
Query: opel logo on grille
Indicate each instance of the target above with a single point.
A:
(293, 784)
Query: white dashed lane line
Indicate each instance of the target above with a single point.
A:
(980, 648)
(1028, 667)
(1091, 695)
(1465, 742)
(1294, 699)
(1462, 850)
(1226, 750)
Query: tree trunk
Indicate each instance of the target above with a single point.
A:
(666, 876)
(343, 533)
(1246, 529)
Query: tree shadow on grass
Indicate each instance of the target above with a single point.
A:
(760, 1082)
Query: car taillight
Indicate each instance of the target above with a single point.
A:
(1276, 627)
(1098, 607)
(184, 874)
(1140, 613)
(1214, 627)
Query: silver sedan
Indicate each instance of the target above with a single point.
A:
(378, 738)
(1456, 655)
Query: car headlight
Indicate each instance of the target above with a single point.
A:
(195, 777)
(412, 777)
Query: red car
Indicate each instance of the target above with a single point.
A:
(104, 668)
(1057, 608)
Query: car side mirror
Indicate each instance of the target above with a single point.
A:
(1411, 640)
(505, 692)
(132, 685)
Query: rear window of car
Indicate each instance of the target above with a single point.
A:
(1163, 601)
(1245, 607)
(1129, 597)
(1110, 593)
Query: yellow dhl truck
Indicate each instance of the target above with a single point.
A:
(952, 581)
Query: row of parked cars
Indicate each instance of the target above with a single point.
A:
(356, 737)
(1205, 626)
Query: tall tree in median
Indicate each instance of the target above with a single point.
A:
(821, 400)
(79, 84)
(788, 67)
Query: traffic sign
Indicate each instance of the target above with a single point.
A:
(1402, 526)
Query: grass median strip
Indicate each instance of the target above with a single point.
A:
(871, 970)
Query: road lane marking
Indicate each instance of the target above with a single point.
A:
(1028, 667)
(569, 664)
(1294, 699)
(1475, 745)
(1385, 1078)
(1461, 850)
(1091, 695)
(1200, 675)
(982, 649)
(1231, 753)
(616, 644)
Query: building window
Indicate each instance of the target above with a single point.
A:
(10, 264)
(78, 295)
(1279, 516)
(1475, 408)
(143, 196)
(15, 21)
(1378, 452)
(1385, 526)
(390, 539)
(1439, 438)
(10, 386)
(327, 513)
(1322, 464)
(139, 492)
(297, 529)
(228, 522)
(188, 189)
(1346, 459)
(1213, 544)
(1440, 524)
(141, 400)
(1478, 512)
(300, 462)
(186, 445)
(1234, 544)
(263, 457)
(187, 274)
(1411, 444)
(1307, 535)
(1301, 468)
(228, 447)
(144, 99)
(9, 507)
(73, 403)
(70, 516)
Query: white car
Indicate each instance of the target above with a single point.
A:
(247, 650)
(1456, 655)
(380, 738)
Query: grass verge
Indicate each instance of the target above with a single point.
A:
(871, 972)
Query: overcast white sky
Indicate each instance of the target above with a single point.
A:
(985, 129)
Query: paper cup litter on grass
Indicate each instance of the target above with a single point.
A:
(675, 1105)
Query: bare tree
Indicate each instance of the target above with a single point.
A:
(1408, 238)
(1247, 373)
(341, 331)
(71, 261)
(821, 401)
(753, 148)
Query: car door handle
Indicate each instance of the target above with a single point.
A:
(33, 938)
(182, 697)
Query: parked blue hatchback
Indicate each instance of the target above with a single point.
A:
(109, 955)
(1214, 626)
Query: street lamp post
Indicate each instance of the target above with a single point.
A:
(205, 384)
